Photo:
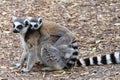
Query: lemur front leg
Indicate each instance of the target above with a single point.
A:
(31, 59)
(22, 59)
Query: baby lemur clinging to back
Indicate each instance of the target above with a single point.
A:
(36, 42)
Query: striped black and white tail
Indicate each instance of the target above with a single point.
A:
(75, 47)
(113, 58)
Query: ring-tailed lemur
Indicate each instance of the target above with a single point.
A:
(32, 47)
(65, 38)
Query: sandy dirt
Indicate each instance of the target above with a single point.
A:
(92, 21)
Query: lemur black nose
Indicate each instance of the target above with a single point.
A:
(15, 31)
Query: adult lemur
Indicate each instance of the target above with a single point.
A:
(56, 55)
(67, 39)
(36, 42)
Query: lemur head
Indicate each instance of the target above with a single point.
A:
(19, 25)
(34, 23)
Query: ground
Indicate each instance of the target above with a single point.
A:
(93, 21)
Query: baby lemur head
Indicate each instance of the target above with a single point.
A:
(19, 25)
(34, 23)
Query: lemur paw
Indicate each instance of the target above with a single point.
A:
(25, 70)
(18, 65)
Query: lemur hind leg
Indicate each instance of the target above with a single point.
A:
(51, 58)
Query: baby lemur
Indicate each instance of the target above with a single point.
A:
(35, 41)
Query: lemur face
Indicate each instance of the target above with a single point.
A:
(34, 23)
(19, 25)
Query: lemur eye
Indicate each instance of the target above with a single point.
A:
(30, 25)
(40, 21)
(13, 25)
(19, 26)
(35, 25)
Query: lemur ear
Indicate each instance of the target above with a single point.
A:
(14, 18)
(40, 20)
(26, 22)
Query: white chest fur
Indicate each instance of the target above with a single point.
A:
(23, 41)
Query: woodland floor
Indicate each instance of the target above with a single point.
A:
(92, 21)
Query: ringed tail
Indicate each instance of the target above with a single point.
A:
(113, 58)
(75, 47)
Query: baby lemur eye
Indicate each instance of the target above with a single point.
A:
(20, 27)
(35, 25)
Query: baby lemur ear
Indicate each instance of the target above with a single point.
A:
(14, 18)
(40, 20)
(26, 22)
